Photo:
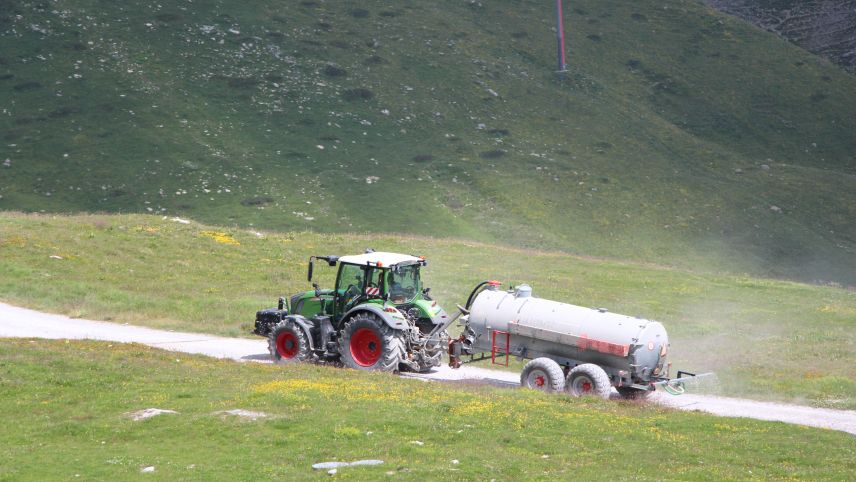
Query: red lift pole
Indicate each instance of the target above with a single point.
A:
(560, 38)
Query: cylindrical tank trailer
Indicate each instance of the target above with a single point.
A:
(571, 348)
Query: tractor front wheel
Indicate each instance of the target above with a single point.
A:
(367, 343)
(288, 343)
(588, 379)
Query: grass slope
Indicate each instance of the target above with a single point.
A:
(679, 135)
(65, 405)
(765, 339)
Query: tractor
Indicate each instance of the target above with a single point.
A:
(378, 316)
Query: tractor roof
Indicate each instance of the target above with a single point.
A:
(381, 258)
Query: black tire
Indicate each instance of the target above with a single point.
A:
(288, 343)
(629, 393)
(588, 379)
(367, 343)
(543, 374)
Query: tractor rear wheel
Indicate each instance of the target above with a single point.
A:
(367, 343)
(288, 343)
(588, 379)
(543, 374)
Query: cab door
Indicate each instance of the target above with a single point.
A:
(350, 286)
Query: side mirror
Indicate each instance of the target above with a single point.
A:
(311, 266)
(317, 290)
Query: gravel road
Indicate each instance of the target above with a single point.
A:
(23, 323)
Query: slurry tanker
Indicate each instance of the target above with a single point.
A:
(579, 350)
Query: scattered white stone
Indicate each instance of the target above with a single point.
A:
(329, 465)
(319, 146)
(545, 456)
(481, 127)
(369, 432)
(149, 413)
(493, 92)
(234, 31)
(372, 179)
(7, 162)
(455, 461)
(148, 470)
(417, 442)
(332, 471)
(53, 256)
(775, 209)
(336, 465)
(206, 29)
(244, 413)
(385, 111)
(182, 221)
(765, 167)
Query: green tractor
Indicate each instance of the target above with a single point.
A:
(377, 317)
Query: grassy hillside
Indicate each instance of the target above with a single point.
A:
(66, 405)
(680, 135)
(764, 339)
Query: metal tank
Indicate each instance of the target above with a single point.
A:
(631, 351)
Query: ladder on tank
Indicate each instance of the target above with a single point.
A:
(499, 350)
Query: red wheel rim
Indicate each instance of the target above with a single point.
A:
(286, 345)
(539, 381)
(365, 347)
(582, 385)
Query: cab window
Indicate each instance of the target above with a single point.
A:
(349, 286)
(403, 282)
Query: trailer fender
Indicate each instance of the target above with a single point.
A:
(394, 320)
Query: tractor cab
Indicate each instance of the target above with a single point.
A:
(374, 277)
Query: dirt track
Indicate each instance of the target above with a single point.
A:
(23, 323)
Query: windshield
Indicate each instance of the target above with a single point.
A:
(403, 283)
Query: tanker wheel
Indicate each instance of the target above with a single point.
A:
(634, 393)
(543, 374)
(288, 343)
(367, 343)
(588, 379)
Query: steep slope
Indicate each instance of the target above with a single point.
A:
(824, 27)
(679, 135)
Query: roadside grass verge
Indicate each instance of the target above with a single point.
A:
(765, 339)
(65, 407)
